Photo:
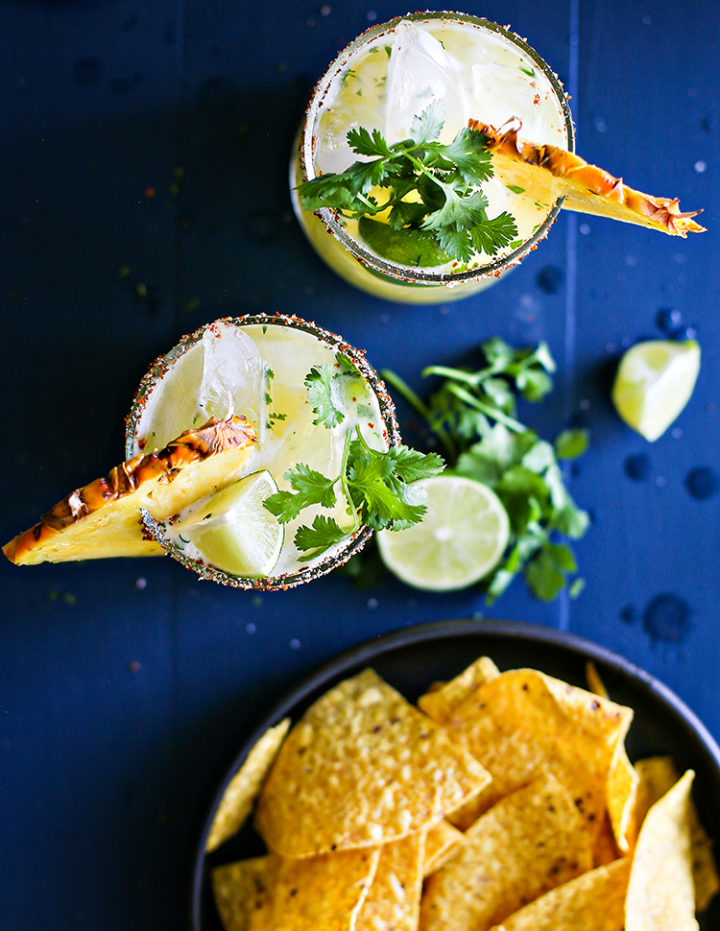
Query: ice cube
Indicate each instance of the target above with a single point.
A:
(420, 71)
(233, 374)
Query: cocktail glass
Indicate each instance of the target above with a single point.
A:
(256, 366)
(487, 73)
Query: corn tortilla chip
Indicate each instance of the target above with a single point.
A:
(594, 682)
(242, 894)
(528, 843)
(393, 900)
(272, 893)
(442, 839)
(362, 767)
(622, 781)
(657, 775)
(661, 895)
(440, 701)
(325, 892)
(523, 723)
(594, 901)
(622, 787)
(604, 847)
(245, 786)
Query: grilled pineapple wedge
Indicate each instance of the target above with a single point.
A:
(103, 518)
(549, 172)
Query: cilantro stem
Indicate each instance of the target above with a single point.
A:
(344, 481)
(470, 378)
(414, 401)
(488, 409)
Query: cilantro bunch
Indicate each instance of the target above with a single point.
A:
(376, 484)
(429, 187)
(474, 416)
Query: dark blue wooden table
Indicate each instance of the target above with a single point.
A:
(143, 191)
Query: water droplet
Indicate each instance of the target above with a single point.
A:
(700, 166)
(637, 467)
(372, 603)
(600, 124)
(584, 229)
(702, 483)
(294, 644)
(141, 584)
(250, 628)
(549, 279)
(668, 319)
(628, 614)
(647, 19)
(667, 618)
(87, 72)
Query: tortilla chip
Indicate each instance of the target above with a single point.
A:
(245, 785)
(242, 894)
(594, 682)
(657, 775)
(594, 901)
(362, 767)
(523, 723)
(393, 901)
(268, 893)
(527, 844)
(661, 895)
(622, 790)
(325, 892)
(442, 839)
(605, 847)
(441, 700)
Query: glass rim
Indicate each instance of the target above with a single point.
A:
(164, 362)
(407, 273)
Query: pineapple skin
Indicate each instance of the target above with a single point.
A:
(103, 518)
(585, 187)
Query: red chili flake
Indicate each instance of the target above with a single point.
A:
(536, 99)
(134, 666)
(149, 191)
(371, 425)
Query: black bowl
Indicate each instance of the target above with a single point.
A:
(411, 659)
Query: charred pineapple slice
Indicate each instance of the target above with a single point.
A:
(549, 172)
(103, 518)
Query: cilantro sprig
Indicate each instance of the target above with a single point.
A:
(473, 415)
(376, 484)
(427, 186)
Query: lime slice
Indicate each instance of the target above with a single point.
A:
(236, 533)
(458, 542)
(417, 248)
(654, 383)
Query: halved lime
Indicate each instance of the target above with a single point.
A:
(459, 540)
(236, 533)
(417, 248)
(654, 383)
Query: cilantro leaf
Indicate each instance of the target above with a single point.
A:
(324, 533)
(310, 487)
(427, 186)
(365, 143)
(318, 382)
(429, 124)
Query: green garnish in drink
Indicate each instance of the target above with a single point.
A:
(375, 483)
(422, 186)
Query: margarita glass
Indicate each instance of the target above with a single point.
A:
(381, 81)
(256, 366)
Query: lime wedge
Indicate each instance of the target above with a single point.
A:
(417, 248)
(654, 383)
(459, 541)
(236, 533)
